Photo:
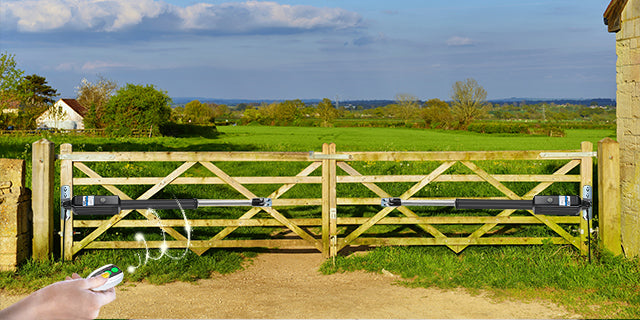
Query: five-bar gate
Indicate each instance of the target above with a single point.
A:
(332, 230)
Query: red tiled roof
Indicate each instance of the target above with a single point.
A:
(76, 106)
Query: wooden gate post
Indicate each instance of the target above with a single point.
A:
(329, 203)
(333, 204)
(609, 197)
(326, 237)
(66, 179)
(43, 158)
(586, 179)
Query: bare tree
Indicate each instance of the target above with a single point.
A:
(468, 101)
(94, 96)
(408, 106)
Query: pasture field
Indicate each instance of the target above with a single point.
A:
(265, 138)
(397, 139)
(551, 269)
(304, 139)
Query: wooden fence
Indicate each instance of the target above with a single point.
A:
(333, 230)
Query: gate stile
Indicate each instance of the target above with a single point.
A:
(329, 241)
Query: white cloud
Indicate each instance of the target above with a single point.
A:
(157, 15)
(102, 65)
(35, 16)
(65, 66)
(95, 15)
(459, 41)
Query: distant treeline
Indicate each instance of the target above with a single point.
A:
(371, 104)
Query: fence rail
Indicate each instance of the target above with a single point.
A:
(333, 230)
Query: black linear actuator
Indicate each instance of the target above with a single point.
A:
(542, 205)
(111, 205)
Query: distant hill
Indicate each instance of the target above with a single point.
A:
(180, 101)
(368, 104)
(599, 101)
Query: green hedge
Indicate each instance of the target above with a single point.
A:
(188, 130)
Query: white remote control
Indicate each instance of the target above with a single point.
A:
(109, 271)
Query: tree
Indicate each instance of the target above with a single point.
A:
(327, 112)
(177, 115)
(251, 114)
(137, 107)
(57, 114)
(468, 101)
(197, 112)
(35, 91)
(10, 78)
(281, 113)
(407, 106)
(94, 96)
(289, 111)
(436, 112)
(219, 110)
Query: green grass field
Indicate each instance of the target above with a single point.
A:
(396, 139)
(259, 138)
(549, 269)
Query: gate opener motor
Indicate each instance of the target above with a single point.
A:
(541, 205)
(112, 205)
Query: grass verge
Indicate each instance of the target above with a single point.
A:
(609, 287)
(33, 275)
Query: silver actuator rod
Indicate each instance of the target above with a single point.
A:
(396, 202)
(111, 205)
(255, 202)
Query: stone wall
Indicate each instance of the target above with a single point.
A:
(628, 114)
(15, 215)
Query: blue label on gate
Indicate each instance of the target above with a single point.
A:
(564, 201)
(87, 201)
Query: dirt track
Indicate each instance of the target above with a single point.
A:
(281, 285)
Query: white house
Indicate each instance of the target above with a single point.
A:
(64, 114)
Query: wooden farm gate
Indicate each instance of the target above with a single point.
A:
(332, 231)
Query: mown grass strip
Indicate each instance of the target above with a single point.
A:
(609, 287)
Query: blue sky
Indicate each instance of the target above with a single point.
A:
(352, 49)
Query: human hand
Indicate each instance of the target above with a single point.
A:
(69, 299)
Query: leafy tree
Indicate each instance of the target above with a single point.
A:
(281, 113)
(35, 90)
(219, 110)
(177, 115)
(468, 101)
(436, 112)
(407, 106)
(137, 107)
(327, 112)
(290, 110)
(251, 114)
(94, 96)
(10, 78)
(197, 112)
